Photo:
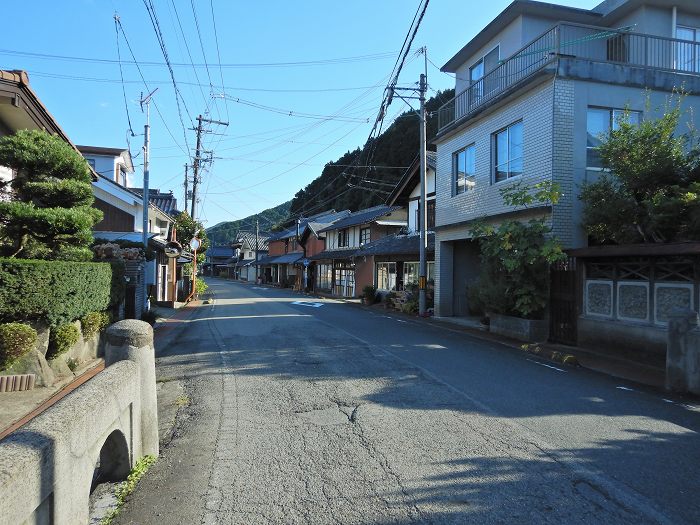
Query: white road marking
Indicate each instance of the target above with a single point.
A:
(625, 388)
(544, 364)
(401, 321)
(311, 305)
(258, 288)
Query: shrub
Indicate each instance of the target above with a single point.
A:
(93, 323)
(62, 339)
(55, 291)
(201, 287)
(150, 317)
(16, 340)
(369, 292)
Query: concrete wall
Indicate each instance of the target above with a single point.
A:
(47, 466)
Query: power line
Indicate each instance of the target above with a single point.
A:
(201, 45)
(218, 56)
(165, 124)
(301, 63)
(161, 41)
(121, 74)
(292, 113)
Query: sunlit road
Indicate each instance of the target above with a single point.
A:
(315, 411)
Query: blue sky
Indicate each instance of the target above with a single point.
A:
(263, 157)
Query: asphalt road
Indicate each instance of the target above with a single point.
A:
(324, 412)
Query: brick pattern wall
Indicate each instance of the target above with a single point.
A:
(563, 220)
(535, 109)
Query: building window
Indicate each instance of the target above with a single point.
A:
(481, 68)
(599, 122)
(364, 236)
(431, 215)
(324, 277)
(688, 53)
(412, 269)
(343, 240)
(508, 152)
(122, 177)
(386, 276)
(464, 169)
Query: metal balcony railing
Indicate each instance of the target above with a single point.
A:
(566, 40)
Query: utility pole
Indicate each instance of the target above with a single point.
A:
(146, 196)
(422, 272)
(422, 207)
(186, 166)
(197, 164)
(257, 237)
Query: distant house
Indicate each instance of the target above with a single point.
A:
(216, 259)
(335, 268)
(247, 251)
(396, 257)
(114, 164)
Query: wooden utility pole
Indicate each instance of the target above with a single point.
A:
(186, 181)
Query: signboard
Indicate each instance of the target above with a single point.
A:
(305, 262)
(173, 249)
(195, 243)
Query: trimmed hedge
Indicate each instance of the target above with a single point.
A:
(56, 291)
(62, 339)
(94, 322)
(16, 340)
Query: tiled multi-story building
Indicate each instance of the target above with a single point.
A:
(535, 89)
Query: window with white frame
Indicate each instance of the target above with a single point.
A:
(508, 152)
(599, 122)
(386, 276)
(464, 169)
(412, 269)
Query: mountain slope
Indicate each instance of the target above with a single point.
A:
(226, 232)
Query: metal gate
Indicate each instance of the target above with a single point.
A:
(563, 302)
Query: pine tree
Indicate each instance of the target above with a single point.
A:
(49, 215)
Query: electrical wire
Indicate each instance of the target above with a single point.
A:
(121, 74)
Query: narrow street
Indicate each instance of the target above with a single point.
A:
(315, 411)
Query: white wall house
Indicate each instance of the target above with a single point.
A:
(534, 91)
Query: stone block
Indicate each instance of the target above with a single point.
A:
(42, 336)
(529, 330)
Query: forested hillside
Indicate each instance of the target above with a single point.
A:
(226, 232)
(395, 148)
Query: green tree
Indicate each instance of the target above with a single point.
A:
(651, 189)
(187, 229)
(50, 214)
(515, 256)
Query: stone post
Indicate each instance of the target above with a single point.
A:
(682, 352)
(132, 340)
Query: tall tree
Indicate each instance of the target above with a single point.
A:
(651, 190)
(187, 229)
(49, 214)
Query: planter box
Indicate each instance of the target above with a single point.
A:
(529, 330)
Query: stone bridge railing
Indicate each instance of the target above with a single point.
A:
(97, 432)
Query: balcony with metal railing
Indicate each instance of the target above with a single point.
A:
(572, 41)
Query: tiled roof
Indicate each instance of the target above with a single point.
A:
(287, 258)
(397, 245)
(220, 251)
(249, 240)
(346, 253)
(362, 217)
(165, 201)
(325, 218)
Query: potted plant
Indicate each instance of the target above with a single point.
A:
(369, 294)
